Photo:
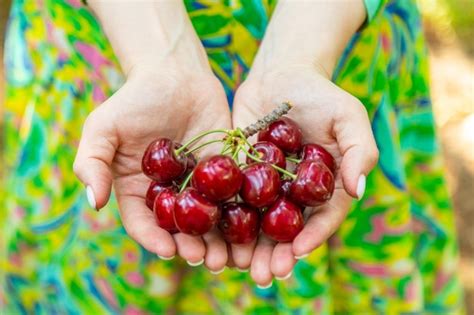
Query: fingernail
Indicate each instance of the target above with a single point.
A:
(165, 258)
(218, 271)
(301, 256)
(91, 197)
(361, 187)
(242, 270)
(265, 286)
(195, 264)
(285, 277)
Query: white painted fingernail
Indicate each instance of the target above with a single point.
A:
(285, 277)
(242, 270)
(91, 197)
(218, 271)
(361, 187)
(165, 258)
(265, 286)
(302, 256)
(194, 264)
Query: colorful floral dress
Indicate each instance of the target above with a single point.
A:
(395, 253)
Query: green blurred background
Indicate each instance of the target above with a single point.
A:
(449, 28)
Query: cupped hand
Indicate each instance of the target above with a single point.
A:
(164, 100)
(327, 116)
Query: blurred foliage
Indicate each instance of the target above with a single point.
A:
(447, 21)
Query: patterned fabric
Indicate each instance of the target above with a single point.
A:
(395, 253)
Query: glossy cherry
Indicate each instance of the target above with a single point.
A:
(160, 162)
(284, 133)
(193, 213)
(153, 190)
(282, 221)
(285, 187)
(314, 184)
(268, 152)
(217, 177)
(239, 222)
(163, 207)
(190, 165)
(315, 152)
(261, 185)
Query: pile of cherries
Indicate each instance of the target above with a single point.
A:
(240, 198)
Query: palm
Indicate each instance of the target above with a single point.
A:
(143, 110)
(318, 104)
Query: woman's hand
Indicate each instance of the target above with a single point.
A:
(170, 92)
(294, 64)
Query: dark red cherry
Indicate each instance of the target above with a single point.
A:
(239, 222)
(163, 208)
(190, 165)
(261, 185)
(270, 153)
(153, 190)
(282, 221)
(315, 152)
(314, 184)
(217, 177)
(285, 187)
(284, 133)
(193, 213)
(160, 162)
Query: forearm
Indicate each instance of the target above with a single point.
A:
(148, 32)
(309, 32)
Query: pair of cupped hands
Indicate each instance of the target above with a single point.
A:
(176, 99)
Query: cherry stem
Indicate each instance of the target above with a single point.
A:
(267, 119)
(293, 160)
(198, 137)
(202, 146)
(289, 174)
(186, 181)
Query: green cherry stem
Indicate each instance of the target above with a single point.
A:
(283, 171)
(185, 182)
(202, 146)
(293, 160)
(198, 137)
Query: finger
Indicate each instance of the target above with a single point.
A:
(322, 224)
(246, 107)
(94, 157)
(356, 142)
(242, 255)
(260, 268)
(140, 224)
(283, 261)
(216, 252)
(190, 248)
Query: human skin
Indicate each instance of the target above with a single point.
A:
(170, 91)
(159, 51)
(295, 62)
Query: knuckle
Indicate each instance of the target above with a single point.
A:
(373, 155)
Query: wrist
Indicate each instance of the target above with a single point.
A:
(150, 33)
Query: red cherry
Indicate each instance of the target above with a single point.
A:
(285, 187)
(190, 165)
(163, 208)
(217, 177)
(315, 152)
(239, 223)
(193, 213)
(160, 162)
(282, 221)
(270, 153)
(261, 185)
(284, 133)
(314, 184)
(153, 190)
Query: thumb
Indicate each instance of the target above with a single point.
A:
(94, 157)
(357, 145)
